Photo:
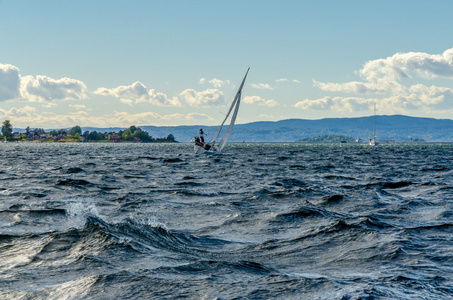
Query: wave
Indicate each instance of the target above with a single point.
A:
(219, 267)
(143, 236)
(140, 236)
(188, 183)
(290, 183)
(172, 160)
(391, 185)
(97, 241)
(72, 170)
(24, 215)
(304, 212)
(204, 193)
(80, 183)
(27, 209)
(439, 228)
(333, 199)
(435, 169)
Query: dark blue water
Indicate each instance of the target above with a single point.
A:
(260, 221)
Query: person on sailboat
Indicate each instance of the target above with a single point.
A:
(202, 135)
(202, 145)
(197, 142)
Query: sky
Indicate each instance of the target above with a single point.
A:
(121, 63)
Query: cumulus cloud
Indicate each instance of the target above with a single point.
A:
(266, 116)
(42, 88)
(410, 64)
(260, 101)
(339, 104)
(79, 106)
(138, 93)
(198, 117)
(351, 87)
(30, 116)
(9, 82)
(206, 98)
(419, 97)
(385, 77)
(261, 86)
(439, 97)
(217, 83)
(14, 112)
(125, 118)
(278, 81)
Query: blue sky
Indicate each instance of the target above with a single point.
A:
(119, 63)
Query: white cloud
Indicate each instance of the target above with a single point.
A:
(400, 65)
(338, 104)
(281, 80)
(30, 116)
(389, 105)
(206, 98)
(79, 106)
(350, 87)
(261, 86)
(42, 88)
(146, 118)
(14, 112)
(419, 97)
(217, 83)
(385, 76)
(266, 116)
(198, 117)
(9, 82)
(48, 104)
(138, 93)
(260, 101)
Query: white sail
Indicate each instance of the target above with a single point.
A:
(230, 128)
(235, 104)
(216, 134)
(233, 118)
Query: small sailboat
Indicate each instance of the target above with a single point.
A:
(373, 141)
(211, 146)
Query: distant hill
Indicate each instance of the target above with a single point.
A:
(327, 139)
(395, 128)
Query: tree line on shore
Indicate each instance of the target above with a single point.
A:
(131, 134)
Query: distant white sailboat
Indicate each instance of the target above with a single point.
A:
(211, 146)
(373, 141)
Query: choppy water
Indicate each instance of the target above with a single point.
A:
(261, 221)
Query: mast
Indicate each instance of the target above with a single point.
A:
(374, 126)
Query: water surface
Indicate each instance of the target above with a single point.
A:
(272, 221)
